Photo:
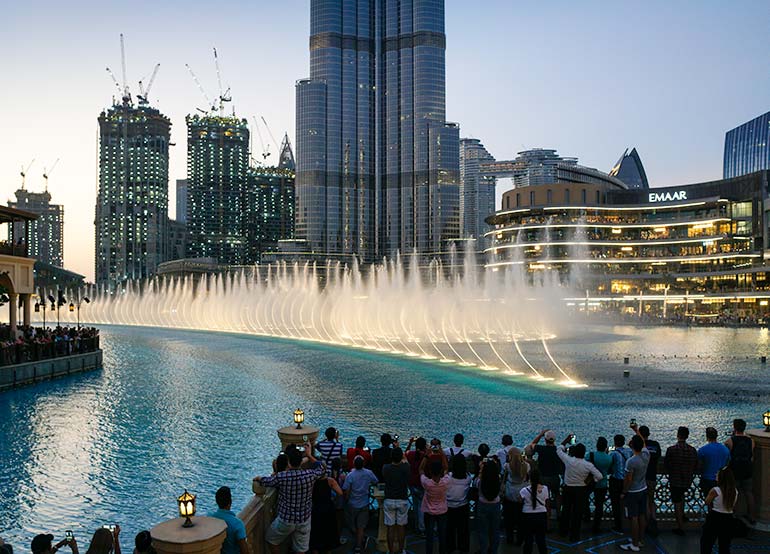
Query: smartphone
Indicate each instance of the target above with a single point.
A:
(68, 536)
(633, 421)
(395, 437)
(573, 440)
(110, 527)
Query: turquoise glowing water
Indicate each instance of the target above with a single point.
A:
(175, 409)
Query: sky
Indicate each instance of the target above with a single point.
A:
(588, 78)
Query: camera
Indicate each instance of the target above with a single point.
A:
(68, 536)
(395, 438)
(434, 447)
(573, 440)
(111, 527)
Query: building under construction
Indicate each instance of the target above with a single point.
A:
(132, 202)
(44, 236)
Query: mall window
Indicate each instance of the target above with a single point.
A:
(507, 202)
(532, 198)
(549, 197)
(566, 196)
(583, 197)
(518, 199)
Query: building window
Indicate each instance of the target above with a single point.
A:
(518, 199)
(566, 196)
(532, 198)
(549, 197)
(583, 196)
(598, 197)
(507, 202)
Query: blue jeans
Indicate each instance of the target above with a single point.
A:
(488, 526)
(417, 494)
(439, 521)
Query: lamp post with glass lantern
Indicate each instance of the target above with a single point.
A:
(297, 434)
(186, 507)
(74, 306)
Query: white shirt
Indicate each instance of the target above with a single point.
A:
(502, 454)
(526, 496)
(577, 469)
(719, 504)
(454, 450)
(457, 491)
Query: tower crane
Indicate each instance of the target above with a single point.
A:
(24, 174)
(223, 96)
(270, 133)
(200, 88)
(145, 93)
(265, 148)
(47, 173)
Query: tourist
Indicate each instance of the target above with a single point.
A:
(396, 504)
(281, 463)
(381, 456)
(719, 525)
(653, 447)
(356, 489)
(339, 476)
(330, 448)
(478, 459)
(681, 462)
(488, 507)
(295, 501)
(43, 544)
(602, 461)
(635, 490)
(741, 450)
(324, 530)
(235, 540)
(105, 540)
(435, 481)
(415, 457)
(5, 548)
(515, 478)
(359, 450)
(143, 543)
(712, 457)
(620, 455)
(457, 449)
(548, 464)
(535, 507)
(502, 453)
(577, 472)
(458, 513)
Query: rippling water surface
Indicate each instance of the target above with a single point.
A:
(175, 409)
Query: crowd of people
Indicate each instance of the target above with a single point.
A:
(38, 343)
(514, 494)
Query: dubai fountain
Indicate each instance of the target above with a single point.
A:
(470, 317)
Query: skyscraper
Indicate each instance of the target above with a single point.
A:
(132, 202)
(377, 163)
(630, 170)
(747, 147)
(45, 240)
(477, 190)
(217, 160)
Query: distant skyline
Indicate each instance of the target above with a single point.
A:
(588, 79)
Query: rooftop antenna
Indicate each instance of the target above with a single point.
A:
(47, 172)
(24, 174)
(144, 94)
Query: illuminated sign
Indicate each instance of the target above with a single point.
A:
(668, 196)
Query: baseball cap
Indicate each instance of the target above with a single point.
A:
(550, 436)
(41, 543)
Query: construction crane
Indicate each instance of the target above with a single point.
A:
(223, 96)
(145, 93)
(271, 134)
(200, 88)
(47, 173)
(24, 174)
(265, 148)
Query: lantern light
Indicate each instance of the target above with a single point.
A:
(299, 418)
(186, 508)
(37, 307)
(72, 307)
(766, 421)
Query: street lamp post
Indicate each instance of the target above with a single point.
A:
(73, 306)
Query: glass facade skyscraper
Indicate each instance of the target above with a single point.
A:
(132, 202)
(45, 235)
(377, 163)
(217, 160)
(630, 170)
(477, 190)
(747, 148)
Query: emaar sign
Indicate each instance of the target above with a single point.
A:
(668, 196)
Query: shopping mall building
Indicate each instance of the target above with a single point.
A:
(697, 250)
